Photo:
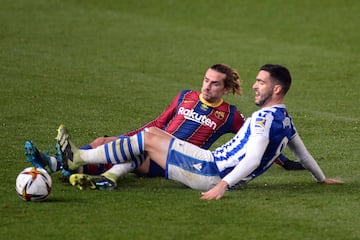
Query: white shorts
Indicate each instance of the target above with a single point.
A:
(191, 165)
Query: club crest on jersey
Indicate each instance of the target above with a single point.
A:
(219, 115)
(260, 122)
(286, 122)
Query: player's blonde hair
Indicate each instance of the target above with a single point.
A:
(232, 80)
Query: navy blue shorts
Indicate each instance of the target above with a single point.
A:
(155, 170)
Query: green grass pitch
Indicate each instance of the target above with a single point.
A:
(106, 67)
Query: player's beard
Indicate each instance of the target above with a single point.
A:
(263, 99)
(210, 97)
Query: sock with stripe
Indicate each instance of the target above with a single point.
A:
(119, 151)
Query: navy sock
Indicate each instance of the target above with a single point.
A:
(283, 158)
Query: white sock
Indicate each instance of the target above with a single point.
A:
(121, 169)
(118, 151)
(54, 164)
(93, 156)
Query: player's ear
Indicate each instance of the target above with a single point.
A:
(226, 91)
(277, 88)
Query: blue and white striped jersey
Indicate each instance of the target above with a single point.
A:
(273, 126)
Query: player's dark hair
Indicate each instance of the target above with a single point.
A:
(280, 74)
(232, 80)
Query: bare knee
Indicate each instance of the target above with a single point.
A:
(159, 132)
(150, 139)
(156, 146)
(154, 130)
(101, 140)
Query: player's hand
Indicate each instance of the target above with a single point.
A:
(216, 192)
(332, 181)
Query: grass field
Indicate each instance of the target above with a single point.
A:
(107, 67)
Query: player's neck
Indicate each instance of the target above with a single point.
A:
(273, 102)
(214, 104)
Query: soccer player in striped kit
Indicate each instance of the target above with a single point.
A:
(247, 155)
(197, 117)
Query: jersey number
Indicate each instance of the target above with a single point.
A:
(279, 150)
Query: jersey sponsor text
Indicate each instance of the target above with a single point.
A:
(190, 114)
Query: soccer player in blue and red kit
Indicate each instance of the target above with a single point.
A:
(196, 117)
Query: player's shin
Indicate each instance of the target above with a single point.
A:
(122, 150)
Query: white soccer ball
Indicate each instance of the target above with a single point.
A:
(33, 184)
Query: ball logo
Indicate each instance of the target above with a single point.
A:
(33, 173)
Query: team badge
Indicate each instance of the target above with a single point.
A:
(286, 122)
(219, 115)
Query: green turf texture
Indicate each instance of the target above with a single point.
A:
(106, 67)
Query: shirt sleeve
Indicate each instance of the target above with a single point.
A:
(299, 150)
(250, 162)
(162, 120)
(239, 120)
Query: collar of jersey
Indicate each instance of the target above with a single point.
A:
(210, 104)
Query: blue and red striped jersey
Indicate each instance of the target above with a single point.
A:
(191, 118)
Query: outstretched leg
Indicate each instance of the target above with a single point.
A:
(154, 141)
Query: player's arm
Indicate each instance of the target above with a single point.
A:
(297, 147)
(247, 165)
(238, 121)
(250, 162)
(162, 120)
